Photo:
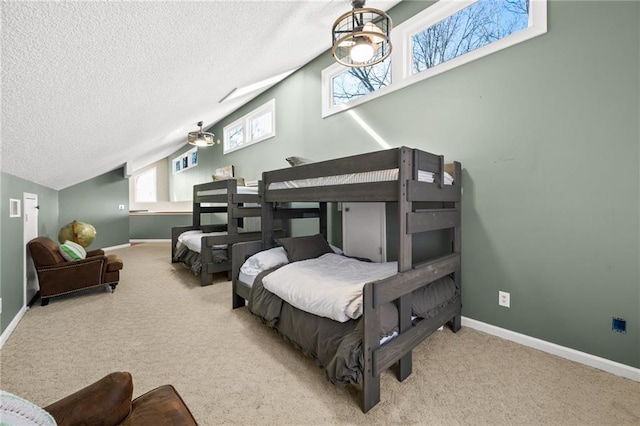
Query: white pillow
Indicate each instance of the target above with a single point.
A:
(72, 251)
(17, 411)
(264, 260)
(336, 250)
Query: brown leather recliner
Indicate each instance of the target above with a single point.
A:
(108, 402)
(58, 276)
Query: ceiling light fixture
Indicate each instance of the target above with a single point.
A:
(361, 37)
(200, 138)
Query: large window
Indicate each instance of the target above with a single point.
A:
(258, 125)
(146, 187)
(444, 36)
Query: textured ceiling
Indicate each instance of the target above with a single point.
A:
(88, 86)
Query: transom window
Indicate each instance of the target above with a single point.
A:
(353, 83)
(258, 125)
(482, 23)
(446, 35)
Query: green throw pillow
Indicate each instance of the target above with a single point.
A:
(72, 251)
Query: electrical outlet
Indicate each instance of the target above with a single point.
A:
(504, 299)
(121, 207)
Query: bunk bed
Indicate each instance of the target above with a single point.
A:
(206, 248)
(354, 351)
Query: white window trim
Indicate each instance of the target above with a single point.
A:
(327, 94)
(401, 76)
(245, 122)
(180, 160)
(154, 190)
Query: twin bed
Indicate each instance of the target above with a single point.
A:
(357, 328)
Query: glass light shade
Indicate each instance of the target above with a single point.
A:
(201, 142)
(362, 51)
(375, 34)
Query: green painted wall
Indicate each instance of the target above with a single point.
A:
(156, 226)
(547, 132)
(11, 243)
(96, 202)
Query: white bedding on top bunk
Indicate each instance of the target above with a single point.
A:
(193, 240)
(351, 178)
(222, 191)
(330, 285)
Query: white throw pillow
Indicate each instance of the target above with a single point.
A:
(72, 251)
(264, 260)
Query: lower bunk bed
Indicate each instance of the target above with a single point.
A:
(354, 335)
(187, 248)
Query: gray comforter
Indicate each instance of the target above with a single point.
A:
(337, 346)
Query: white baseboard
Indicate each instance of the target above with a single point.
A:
(159, 240)
(12, 326)
(116, 247)
(571, 354)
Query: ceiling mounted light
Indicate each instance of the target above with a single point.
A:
(361, 37)
(200, 138)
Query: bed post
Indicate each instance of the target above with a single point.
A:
(195, 222)
(232, 223)
(456, 321)
(323, 219)
(405, 261)
(266, 222)
(370, 342)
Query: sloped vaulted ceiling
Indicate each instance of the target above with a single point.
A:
(90, 85)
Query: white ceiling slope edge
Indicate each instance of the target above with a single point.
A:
(90, 85)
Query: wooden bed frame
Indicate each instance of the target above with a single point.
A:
(405, 191)
(236, 211)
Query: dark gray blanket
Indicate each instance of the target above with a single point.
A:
(193, 261)
(334, 345)
(337, 346)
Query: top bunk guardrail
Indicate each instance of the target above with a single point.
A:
(230, 198)
(366, 177)
(225, 191)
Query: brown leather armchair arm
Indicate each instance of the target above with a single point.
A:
(96, 252)
(69, 276)
(105, 402)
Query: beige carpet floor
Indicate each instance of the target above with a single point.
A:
(161, 326)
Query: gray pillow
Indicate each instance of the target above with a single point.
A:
(296, 161)
(303, 248)
(427, 301)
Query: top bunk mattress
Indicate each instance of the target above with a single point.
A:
(353, 178)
